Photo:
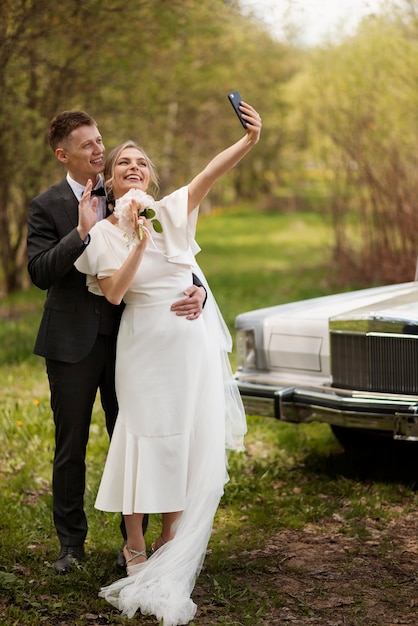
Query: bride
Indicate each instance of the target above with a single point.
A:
(179, 408)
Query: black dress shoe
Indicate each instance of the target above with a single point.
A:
(68, 556)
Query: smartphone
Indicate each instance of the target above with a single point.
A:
(235, 99)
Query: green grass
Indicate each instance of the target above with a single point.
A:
(290, 478)
(253, 259)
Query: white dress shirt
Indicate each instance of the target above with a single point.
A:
(78, 191)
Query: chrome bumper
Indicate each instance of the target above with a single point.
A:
(340, 407)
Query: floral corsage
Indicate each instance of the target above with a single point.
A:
(146, 203)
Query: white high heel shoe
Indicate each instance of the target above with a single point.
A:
(154, 546)
(133, 569)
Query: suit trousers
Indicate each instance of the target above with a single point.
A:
(73, 389)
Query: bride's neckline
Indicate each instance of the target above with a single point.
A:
(112, 220)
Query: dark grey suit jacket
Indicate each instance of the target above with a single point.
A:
(72, 316)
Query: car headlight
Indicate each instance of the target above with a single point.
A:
(246, 352)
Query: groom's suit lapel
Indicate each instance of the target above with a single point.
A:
(69, 203)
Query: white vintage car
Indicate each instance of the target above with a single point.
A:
(350, 360)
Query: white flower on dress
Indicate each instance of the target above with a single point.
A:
(123, 210)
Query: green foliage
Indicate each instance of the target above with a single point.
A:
(361, 100)
(149, 215)
(19, 314)
(42, 62)
(271, 257)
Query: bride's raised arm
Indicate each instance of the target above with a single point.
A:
(227, 159)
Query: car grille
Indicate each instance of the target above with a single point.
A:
(375, 362)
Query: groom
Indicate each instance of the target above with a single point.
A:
(77, 334)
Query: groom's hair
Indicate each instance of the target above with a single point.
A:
(63, 124)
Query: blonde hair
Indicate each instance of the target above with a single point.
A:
(112, 158)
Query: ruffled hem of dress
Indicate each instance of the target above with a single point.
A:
(168, 600)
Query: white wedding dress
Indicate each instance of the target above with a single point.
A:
(179, 409)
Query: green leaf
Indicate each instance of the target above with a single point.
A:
(148, 213)
(157, 226)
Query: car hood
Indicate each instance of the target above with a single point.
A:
(389, 302)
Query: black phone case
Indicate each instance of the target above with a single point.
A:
(235, 99)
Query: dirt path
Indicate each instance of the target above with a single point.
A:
(322, 577)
